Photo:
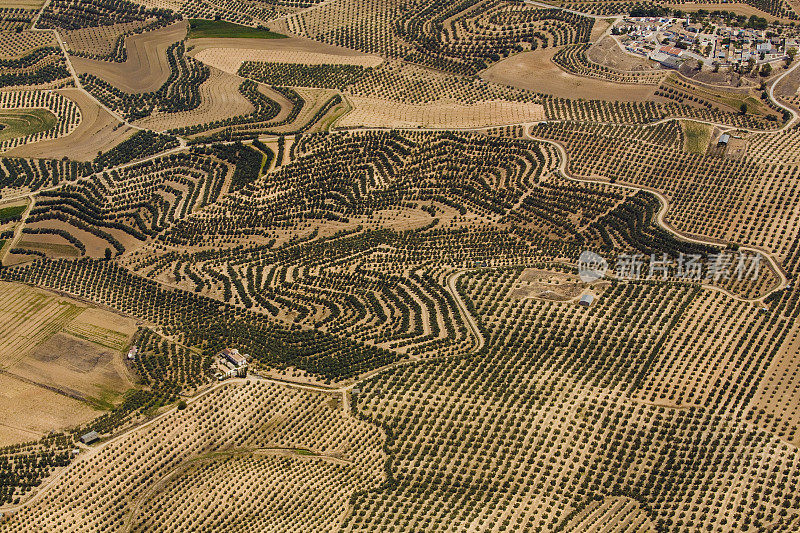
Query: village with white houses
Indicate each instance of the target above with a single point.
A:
(713, 40)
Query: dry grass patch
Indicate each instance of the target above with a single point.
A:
(371, 112)
(59, 361)
(696, 136)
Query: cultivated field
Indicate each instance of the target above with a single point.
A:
(98, 131)
(30, 116)
(230, 59)
(374, 112)
(535, 71)
(60, 361)
(302, 450)
(146, 68)
(398, 265)
(219, 99)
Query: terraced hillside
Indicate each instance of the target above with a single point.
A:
(393, 265)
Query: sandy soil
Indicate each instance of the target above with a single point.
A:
(25, 4)
(98, 131)
(220, 99)
(535, 71)
(146, 69)
(608, 53)
(443, 114)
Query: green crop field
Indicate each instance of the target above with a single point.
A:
(218, 29)
(11, 213)
(697, 136)
(23, 122)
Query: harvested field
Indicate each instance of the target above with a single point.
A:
(740, 8)
(230, 59)
(28, 412)
(98, 131)
(228, 54)
(24, 4)
(58, 358)
(445, 114)
(146, 68)
(535, 71)
(220, 99)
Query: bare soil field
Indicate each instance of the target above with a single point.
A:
(547, 285)
(291, 45)
(59, 361)
(28, 412)
(98, 131)
(535, 71)
(444, 114)
(599, 28)
(607, 52)
(788, 90)
(220, 99)
(146, 68)
(230, 59)
(100, 40)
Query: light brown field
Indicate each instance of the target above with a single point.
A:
(59, 360)
(28, 412)
(25, 4)
(444, 114)
(230, 59)
(146, 68)
(292, 45)
(98, 131)
(98, 40)
(535, 71)
(269, 433)
(220, 99)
